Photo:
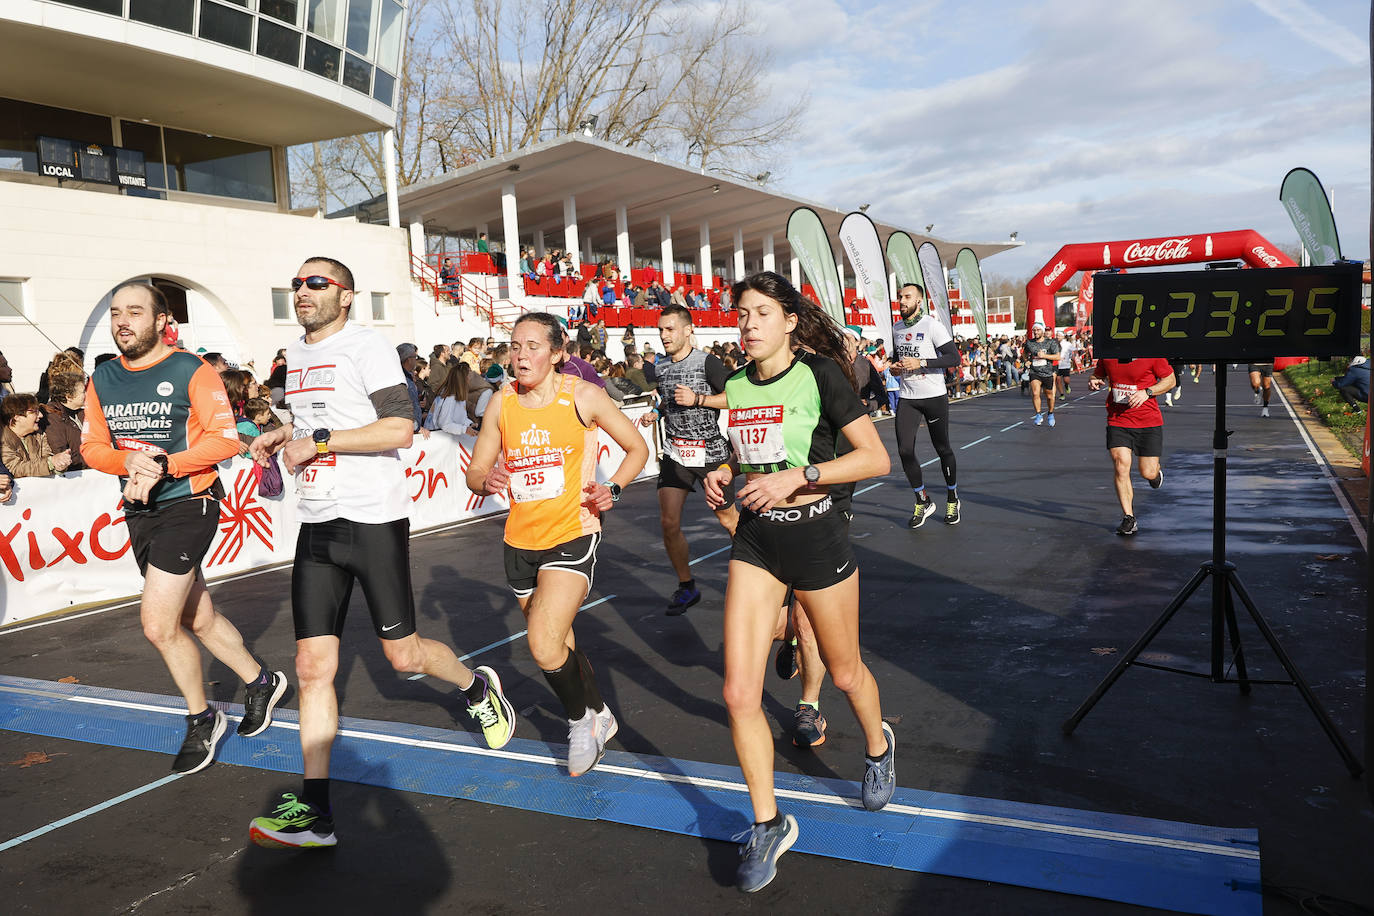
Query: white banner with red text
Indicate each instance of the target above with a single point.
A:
(63, 542)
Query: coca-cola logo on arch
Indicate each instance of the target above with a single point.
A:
(1166, 250)
(1058, 269)
(1263, 254)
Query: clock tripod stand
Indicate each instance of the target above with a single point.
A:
(1226, 586)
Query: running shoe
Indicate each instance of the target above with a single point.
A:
(258, 703)
(198, 750)
(808, 726)
(1196, 378)
(1177, 393)
(1264, 412)
(1068, 389)
(785, 662)
(587, 739)
(759, 855)
(493, 712)
(1169, 399)
(923, 508)
(1128, 526)
(1158, 481)
(1051, 418)
(1039, 418)
(880, 776)
(1258, 400)
(294, 824)
(952, 512)
(682, 599)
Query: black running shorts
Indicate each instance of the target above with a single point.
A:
(576, 556)
(806, 547)
(1044, 378)
(680, 477)
(1266, 370)
(330, 556)
(173, 539)
(1145, 441)
(1063, 372)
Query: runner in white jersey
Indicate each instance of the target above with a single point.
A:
(923, 348)
(352, 413)
(1067, 349)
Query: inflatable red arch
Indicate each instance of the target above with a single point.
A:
(1244, 244)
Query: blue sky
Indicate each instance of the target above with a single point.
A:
(1077, 120)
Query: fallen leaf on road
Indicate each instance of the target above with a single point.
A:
(1328, 556)
(68, 680)
(1103, 650)
(33, 758)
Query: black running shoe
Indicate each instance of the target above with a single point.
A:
(258, 703)
(198, 750)
(808, 726)
(785, 662)
(682, 599)
(1127, 527)
(1158, 481)
(923, 509)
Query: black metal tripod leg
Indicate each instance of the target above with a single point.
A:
(1236, 651)
(1352, 763)
(1179, 600)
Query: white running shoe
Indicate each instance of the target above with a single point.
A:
(1258, 399)
(587, 739)
(1264, 412)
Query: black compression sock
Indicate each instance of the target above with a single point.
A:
(204, 714)
(263, 679)
(590, 693)
(566, 681)
(475, 691)
(770, 824)
(689, 584)
(316, 792)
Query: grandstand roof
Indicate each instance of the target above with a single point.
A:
(602, 176)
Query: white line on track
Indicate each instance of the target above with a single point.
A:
(1012, 426)
(1355, 521)
(512, 638)
(708, 556)
(974, 442)
(94, 809)
(989, 820)
(871, 486)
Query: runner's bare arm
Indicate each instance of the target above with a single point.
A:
(486, 475)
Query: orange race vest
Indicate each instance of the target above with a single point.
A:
(551, 456)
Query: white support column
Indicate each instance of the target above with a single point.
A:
(511, 222)
(796, 273)
(665, 233)
(839, 269)
(770, 260)
(570, 229)
(704, 255)
(393, 206)
(622, 242)
(539, 242)
(417, 239)
(739, 255)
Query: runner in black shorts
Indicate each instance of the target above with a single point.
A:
(1041, 354)
(159, 419)
(786, 409)
(692, 441)
(351, 413)
(1262, 381)
(1135, 424)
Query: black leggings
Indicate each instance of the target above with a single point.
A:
(936, 413)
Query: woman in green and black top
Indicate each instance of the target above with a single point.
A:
(786, 409)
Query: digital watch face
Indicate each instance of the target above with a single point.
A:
(1219, 315)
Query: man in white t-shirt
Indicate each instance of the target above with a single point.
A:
(922, 347)
(1067, 347)
(351, 410)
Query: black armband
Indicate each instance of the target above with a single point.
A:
(946, 356)
(392, 402)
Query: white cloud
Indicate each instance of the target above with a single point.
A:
(1309, 24)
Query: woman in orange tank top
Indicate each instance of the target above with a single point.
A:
(538, 447)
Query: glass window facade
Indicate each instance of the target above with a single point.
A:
(22, 123)
(226, 26)
(214, 165)
(357, 42)
(147, 139)
(169, 14)
(378, 307)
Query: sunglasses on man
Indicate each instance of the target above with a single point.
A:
(316, 283)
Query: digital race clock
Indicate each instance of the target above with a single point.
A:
(1251, 315)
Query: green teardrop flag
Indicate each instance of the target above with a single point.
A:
(811, 245)
(971, 284)
(1305, 200)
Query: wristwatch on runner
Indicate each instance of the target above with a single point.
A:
(615, 491)
(812, 475)
(321, 437)
(162, 463)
